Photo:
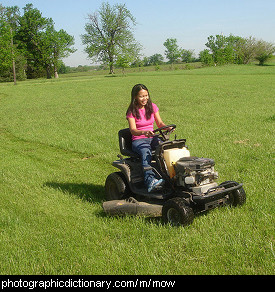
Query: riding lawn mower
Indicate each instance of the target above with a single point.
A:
(190, 182)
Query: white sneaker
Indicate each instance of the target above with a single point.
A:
(154, 184)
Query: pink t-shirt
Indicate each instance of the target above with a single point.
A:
(143, 124)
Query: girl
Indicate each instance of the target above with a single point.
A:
(141, 115)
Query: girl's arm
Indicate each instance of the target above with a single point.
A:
(158, 120)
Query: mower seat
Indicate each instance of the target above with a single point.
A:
(125, 143)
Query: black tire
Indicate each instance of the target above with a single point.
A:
(176, 212)
(115, 187)
(236, 197)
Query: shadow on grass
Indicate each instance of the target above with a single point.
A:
(95, 194)
(88, 192)
(265, 65)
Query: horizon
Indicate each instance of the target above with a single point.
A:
(190, 23)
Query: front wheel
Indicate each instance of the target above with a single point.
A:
(236, 197)
(176, 212)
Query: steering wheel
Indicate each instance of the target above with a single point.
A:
(164, 135)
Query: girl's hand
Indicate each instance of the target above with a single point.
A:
(149, 134)
(171, 130)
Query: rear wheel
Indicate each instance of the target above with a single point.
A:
(115, 187)
(176, 212)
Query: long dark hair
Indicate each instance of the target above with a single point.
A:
(134, 108)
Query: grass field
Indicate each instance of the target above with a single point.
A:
(58, 139)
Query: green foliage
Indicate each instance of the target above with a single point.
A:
(109, 35)
(172, 51)
(58, 139)
(223, 48)
(12, 61)
(124, 62)
(42, 44)
(30, 41)
(156, 59)
(264, 51)
(234, 49)
(56, 45)
(246, 50)
(206, 58)
(5, 48)
(187, 56)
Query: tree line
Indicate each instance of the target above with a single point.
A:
(30, 46)
(222, 50)
(109, 39)
(236, 50)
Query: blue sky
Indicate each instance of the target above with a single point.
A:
(189, 21)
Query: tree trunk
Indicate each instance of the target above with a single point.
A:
(49, 75)
(111, 63)
(55, 73)
(13, 60)
(14, 72)
(111, 68)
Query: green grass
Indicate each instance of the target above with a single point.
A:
(58, 139)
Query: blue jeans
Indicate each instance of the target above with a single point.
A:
(144, 148)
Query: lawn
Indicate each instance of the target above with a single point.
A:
(58, 139)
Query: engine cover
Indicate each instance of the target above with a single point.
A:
(196, 173)
(187, 164)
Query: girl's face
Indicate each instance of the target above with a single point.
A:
(142, 98)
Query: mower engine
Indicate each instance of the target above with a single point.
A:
(196, 174)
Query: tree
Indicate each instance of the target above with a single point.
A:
(235, 49)
(42, 45)
(55, 45)
(264, 51)
(245, 50)
(156, 59)
(62, 47)
(223, 48)
(8, 25)
(124, 62)
(5, 42)
(29, 39)
(109, 34)
(172, 51)
(146, 61)
(187, 56)
(206, 57)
